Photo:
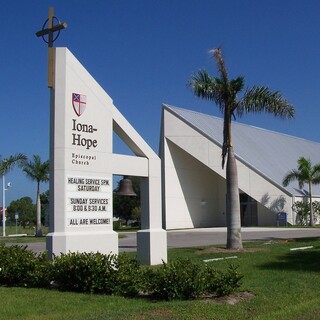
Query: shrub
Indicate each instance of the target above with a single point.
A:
(22, 267)
(302, 209)
(180, 279)
(222, 283)
(183, 279)
(97, 273)
(129, 276)
(117, 225)
(85, 272)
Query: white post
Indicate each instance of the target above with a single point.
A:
(3, 207)
(152, 239)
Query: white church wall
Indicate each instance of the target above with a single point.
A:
(268, 195)
(192, 192)
(266, 217)
(271, 198)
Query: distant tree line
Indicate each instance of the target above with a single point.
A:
(37, 171)
(27, 210)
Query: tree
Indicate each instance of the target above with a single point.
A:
(306, 173)
(126, 207)
(224, 92)
(7, 165)
(302, 210)
(37, 171)
(44, 199)
(26, 210)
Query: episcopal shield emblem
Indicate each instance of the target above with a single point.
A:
(79, 102)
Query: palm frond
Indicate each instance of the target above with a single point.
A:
(305, 173)
(7, 164)
(261, 99)
(37, 170)
(236, 85)
(206, 87)
(304, 164)
(291, 176)
(316, 174)
(224, 93)
(202, 85)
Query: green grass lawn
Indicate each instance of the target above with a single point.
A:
(28, 230)
(286, 285)
(27, 235)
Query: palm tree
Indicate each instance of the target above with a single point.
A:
(37, 171)
(7, 165)
(224, 92)
(306, 173)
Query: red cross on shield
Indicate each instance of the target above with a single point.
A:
(79, 102)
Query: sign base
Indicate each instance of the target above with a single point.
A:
(152, 246)
(64, 242)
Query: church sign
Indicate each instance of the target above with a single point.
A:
(81, 157)
(82, 163)
(88, 201)
(89, 198)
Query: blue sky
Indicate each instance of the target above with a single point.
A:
(143, 53)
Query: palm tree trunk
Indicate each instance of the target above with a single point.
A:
(38, 228)
(312, 223)
(234, 240)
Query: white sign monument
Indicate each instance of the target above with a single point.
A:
(82, 164)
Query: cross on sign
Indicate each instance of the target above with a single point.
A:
(50, 31)
(51, 28)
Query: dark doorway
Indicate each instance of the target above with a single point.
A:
(248, 210)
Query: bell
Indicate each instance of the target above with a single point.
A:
(125, 188)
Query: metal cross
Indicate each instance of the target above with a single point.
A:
(49, 31)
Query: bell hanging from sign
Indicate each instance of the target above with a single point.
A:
(126, 188)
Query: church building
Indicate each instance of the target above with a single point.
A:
(194, 183)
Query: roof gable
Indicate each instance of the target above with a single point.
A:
(269, 153)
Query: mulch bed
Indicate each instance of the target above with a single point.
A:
(223, 250)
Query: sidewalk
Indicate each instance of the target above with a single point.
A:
(206, 237)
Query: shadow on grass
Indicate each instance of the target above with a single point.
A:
(313, 240)
(300, 260)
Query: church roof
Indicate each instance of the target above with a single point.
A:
(271, 154)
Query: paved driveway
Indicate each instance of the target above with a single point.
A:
(209, 236)
(218, 236)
